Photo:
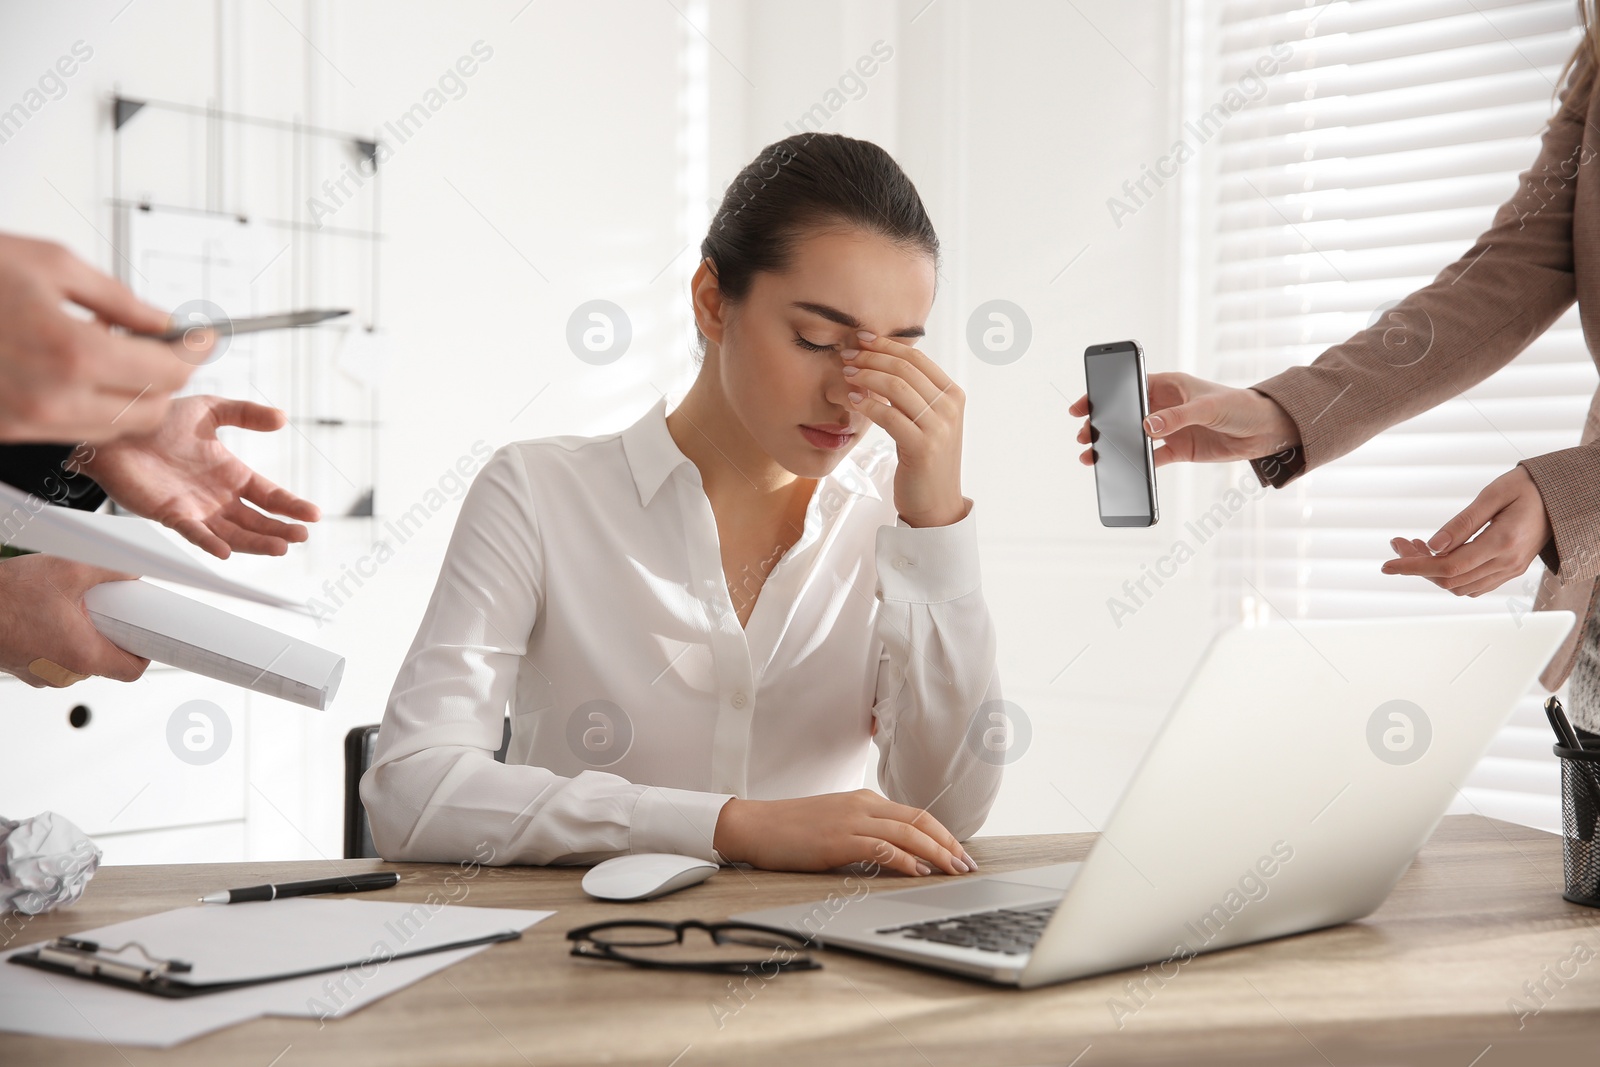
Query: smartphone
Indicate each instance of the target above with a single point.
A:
(1124, 462)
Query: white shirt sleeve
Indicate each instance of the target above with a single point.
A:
(434, 791)
(936, 671)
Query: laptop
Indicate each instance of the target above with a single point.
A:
(1289, 788)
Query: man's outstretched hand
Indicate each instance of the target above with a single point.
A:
(184, 478)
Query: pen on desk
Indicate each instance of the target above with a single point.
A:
(354, 883)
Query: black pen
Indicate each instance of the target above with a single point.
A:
(354, 883)
(1561, 724)
(1584, 816)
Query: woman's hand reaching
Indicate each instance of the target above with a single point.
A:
(1491, 542)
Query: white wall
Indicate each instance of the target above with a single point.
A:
(588, 151)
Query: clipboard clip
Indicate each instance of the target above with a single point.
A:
(91, 959)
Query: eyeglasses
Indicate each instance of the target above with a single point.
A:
(651, 943)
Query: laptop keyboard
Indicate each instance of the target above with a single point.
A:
(1010, 931)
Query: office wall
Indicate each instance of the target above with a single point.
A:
(581, 162)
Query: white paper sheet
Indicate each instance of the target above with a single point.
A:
(224, 940)
(161, 625)
(120, 542)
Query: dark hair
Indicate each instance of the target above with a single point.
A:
(1588, 48)
(806, 181)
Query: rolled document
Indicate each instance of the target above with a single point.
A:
(160, 625)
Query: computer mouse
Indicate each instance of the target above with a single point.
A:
(646, 875)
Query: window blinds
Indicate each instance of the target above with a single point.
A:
(1374, 156)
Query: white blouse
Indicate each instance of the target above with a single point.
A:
(583, 584)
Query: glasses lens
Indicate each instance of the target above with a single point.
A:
(753, 948)
(757, 938)
(634, 935)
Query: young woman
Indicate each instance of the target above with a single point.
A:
(1520, 277)
(703, 621)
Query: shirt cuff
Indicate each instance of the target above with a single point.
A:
(1280, 468)
(47, 471)
(1570, 489)
(680, 821)
(928, 564)
(1293, 391)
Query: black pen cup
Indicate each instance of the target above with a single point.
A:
(1580, 823)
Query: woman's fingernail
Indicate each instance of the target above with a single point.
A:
(1439, 542)
(1155, 423)
(855, 398)
(866, 336)
(848, 371)
(955, 861)
(972, 863)
(850, 353)
(923, 868)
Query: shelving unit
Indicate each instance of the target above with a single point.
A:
(269, 215)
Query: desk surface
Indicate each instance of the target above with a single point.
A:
(1427, 978)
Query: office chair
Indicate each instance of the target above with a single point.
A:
(357, 758)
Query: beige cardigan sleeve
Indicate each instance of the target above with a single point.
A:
(1473, 319)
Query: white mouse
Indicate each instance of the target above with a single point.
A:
(646, 875)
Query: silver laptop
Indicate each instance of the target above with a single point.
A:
(1290, 787)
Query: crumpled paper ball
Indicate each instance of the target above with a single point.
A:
(45, 863)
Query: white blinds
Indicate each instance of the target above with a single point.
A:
(1378, 152)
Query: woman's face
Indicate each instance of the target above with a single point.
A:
(778, 358)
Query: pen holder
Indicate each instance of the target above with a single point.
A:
(1580, 823)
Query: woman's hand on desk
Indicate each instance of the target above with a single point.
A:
(1202, 422)
(1517, 528)
(834, 830)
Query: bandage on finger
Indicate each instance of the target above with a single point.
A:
(54, 673)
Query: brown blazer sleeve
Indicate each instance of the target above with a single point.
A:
(1473, 319)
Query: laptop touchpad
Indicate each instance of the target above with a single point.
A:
(968, 895)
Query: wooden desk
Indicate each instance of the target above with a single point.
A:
(1427, 979)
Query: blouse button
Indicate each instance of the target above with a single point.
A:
(738, 700)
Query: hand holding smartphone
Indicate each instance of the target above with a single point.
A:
(1124, 467)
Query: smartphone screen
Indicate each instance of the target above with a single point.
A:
(1124, 465)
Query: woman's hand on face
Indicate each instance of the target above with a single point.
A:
(1203, 422)
(917, 403)
(1517, 528)
(834, 830)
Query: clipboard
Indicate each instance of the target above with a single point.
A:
(82, 958)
